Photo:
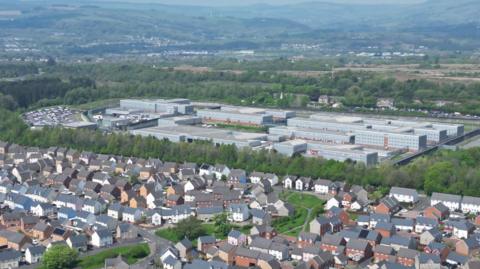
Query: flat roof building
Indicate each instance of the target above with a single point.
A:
(290, 147)
(342, 153)
(232, 117)
(191, 133)
(324, 136)
(171, 106)
(389, 140)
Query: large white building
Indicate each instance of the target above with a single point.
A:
(389, 140)
(171, 106)
(234, 117)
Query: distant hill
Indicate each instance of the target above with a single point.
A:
(89, 26)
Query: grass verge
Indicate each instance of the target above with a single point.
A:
(130, 253)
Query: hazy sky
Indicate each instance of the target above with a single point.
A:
(273, 2)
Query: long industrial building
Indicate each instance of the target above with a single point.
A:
(329, 152)
(342, 153)
(324, 136)
(388, 134)
(235, 117)
(389, 140)
(191, 133)
(171, 106)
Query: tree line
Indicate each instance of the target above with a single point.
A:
(79, 84)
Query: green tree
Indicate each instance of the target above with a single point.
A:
(190, 228)
(222, 224)
(59, 257)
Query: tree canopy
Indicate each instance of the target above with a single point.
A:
(59, 257)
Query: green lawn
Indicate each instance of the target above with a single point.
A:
(168, 234)
(209, 229)
(285, 224)
(130, 253)
(301, 202)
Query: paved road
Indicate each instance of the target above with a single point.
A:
(155, 243)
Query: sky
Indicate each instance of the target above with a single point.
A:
(272, 2)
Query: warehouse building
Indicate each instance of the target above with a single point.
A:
(191, 133)
(342, 153)
(180, 120)
(234, 117)
(388, 140)
(324, 136)
(171, 106)
(433, 135)
(324, 125)
(452, 129)
(291, 147)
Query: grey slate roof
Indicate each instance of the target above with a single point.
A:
(10, 254)
(37, 250)
(357, 244)
(403, 191)
(446, 197)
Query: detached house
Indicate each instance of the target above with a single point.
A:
(34, 254)
(238, 212)
(404, 195)
(101, 238)
(220, 170)
(132, 215)
(358, 250)
(236, 238)
(303, 184)
(438, 211)
(126, 231)
(388, 205)
(78, 242)
(288, 182)
(237, 176)
(322, 186)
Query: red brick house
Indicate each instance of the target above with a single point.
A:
(358, 250)
(383, 253)
(406, 257)
(332, 243)
(246, 257)
(438, 211)
(173, 200)
(387, 205)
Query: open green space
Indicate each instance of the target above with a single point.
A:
(193, 228)
(130, 253)
(284, 225)
(302, 203)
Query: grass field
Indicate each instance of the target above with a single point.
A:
(168, 234)
(130, 253)
(209, 229)
(302, 203)
(285, 224)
